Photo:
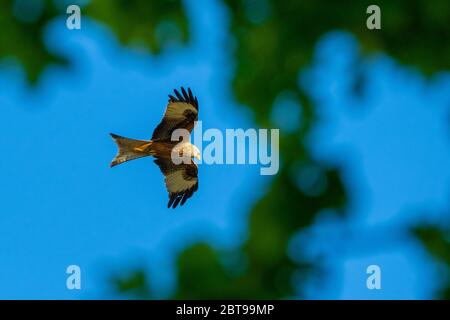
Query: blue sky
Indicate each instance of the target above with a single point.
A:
(62, 204)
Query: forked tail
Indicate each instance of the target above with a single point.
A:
(129, 149)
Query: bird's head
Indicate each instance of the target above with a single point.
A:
(196, 153)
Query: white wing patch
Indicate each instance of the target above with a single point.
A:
(175, 182)
(175, 110)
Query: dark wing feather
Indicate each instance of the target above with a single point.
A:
(181, 180)
(181, 112)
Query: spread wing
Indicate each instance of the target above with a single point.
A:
(181, 112)
(181, 180)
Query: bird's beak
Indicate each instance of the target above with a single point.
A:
(198, 156)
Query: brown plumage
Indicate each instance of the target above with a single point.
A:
(181, 180)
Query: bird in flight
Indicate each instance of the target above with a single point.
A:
(181, 179)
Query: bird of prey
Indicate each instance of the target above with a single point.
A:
(181, 179)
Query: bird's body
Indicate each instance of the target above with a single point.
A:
(130, 149)
(181, 179)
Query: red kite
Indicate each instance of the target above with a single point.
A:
(181, 179)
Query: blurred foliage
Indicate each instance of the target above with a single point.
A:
(22, 24)
(436, 240)
(142, 22)
(133, 285)
(150, 24)
(275, 40)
